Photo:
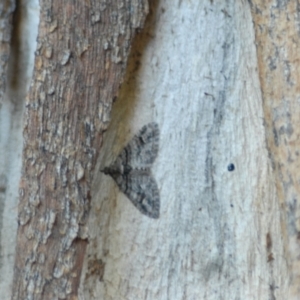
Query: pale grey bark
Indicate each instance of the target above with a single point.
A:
(219, 234)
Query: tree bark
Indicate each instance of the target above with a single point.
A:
(221, 231)
(277, 39)
(6, 15)
(80, 61)
(220, 80)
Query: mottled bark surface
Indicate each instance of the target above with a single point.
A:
(219, 233)
(221, 81)
(278, 41)
(80, 60)
(6, 16)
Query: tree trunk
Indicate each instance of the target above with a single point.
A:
(219, 81)
(80, 61)
(220, 234)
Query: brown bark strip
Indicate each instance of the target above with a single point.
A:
(277, 39)
(6, 15)
(80, 61)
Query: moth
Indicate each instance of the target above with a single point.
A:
(132, 171)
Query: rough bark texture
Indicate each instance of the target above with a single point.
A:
(221, 80)
(6, 10)
(80, 60)
(277, 39)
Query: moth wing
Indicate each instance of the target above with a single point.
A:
(142, 150)
(142, 191)
(131, 171)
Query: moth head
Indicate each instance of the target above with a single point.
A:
(106, 171)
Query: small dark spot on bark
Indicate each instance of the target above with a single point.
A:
(231, 167)
(268, 241)
(96, 267)
(224, 11)
(87, 129)
(270, 257)
(43, 149)
(269, 247)
(89, 196)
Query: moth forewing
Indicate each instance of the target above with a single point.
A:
(132, 170)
